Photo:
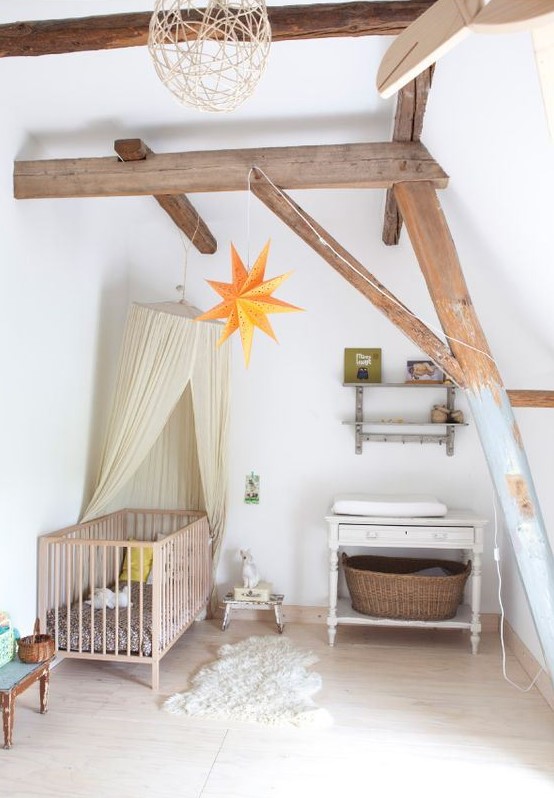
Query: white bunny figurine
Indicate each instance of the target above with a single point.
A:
(250, 576)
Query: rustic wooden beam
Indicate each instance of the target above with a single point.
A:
(408, 124)
(179, 207)
(488, 400)
(352, 270)
(520, 398)
(316, 21)
(320, 166)
(132, 149)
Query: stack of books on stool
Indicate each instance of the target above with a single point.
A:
(261, 592)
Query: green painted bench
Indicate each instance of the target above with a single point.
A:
(15, 677)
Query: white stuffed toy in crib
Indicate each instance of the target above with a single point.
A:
(105, 596)
(250, 575)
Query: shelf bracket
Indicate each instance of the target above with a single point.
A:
(450, 398)
(359, 419)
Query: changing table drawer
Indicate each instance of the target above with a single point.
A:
(366, 534)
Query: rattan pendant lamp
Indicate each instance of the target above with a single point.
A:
(211, 58)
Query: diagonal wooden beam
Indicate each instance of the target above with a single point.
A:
(375, 165)
(316, 21)
(352, 270)
(490, 405)
(408, 124)
(179, 207)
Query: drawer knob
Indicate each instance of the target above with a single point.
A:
(371, 534)
(440, 535)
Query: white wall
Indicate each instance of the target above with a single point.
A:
(70, 268)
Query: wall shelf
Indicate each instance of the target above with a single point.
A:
(444, 436)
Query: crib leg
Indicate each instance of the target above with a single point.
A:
(155, 675)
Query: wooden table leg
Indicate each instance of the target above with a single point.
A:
(8, 710)
(279, 618)
(226, 617)
(44, 689)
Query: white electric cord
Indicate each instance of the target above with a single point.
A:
(497, 561)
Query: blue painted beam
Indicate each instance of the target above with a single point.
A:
(512, 479)
(489, 402)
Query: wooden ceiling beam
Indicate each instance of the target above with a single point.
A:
(521, 398)
(316, 21)
(177, 206)
(408, 124)
(355, 273)
(375, 165)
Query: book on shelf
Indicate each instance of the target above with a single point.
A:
(362, 365)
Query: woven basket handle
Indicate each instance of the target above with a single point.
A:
(36, 630)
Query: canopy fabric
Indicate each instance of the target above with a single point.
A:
(169, 476)
(166, 442)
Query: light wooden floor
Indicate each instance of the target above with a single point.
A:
(414, 715)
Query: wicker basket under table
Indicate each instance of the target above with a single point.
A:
(388, 587)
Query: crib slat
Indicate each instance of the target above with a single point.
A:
(116, 589)
(67, 582)
(57, 592)
(104, 585)
(80, 588)
(92, 571)
(141, 602)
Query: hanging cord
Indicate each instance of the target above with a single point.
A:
(437, 330)
(497, 561)
(248, 198)
(186, 245)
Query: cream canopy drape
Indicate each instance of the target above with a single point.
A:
(166, 443)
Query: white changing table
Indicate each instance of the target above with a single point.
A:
(457, 530)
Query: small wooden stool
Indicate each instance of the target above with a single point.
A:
(15, 677)
(275, 602)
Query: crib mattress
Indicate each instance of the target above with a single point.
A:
(389, 506)
(126, 631)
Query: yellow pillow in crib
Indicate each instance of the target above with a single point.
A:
(137, 575)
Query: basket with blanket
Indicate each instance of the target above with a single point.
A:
(405, 588)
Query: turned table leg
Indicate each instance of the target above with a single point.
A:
(476, 602)
(279, 617)
(8, 710)
(226, 617)
(333, 587)
(44, 690)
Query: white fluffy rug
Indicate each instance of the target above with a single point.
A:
(261, 679)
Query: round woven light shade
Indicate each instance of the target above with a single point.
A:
(210, 57)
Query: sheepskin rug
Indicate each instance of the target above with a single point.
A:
(261, 680)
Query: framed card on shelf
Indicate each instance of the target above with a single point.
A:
(423, 371)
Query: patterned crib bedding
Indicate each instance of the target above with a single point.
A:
(124, 627)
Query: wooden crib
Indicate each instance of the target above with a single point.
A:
(105, 561)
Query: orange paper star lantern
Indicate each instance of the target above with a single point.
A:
(247, 301)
